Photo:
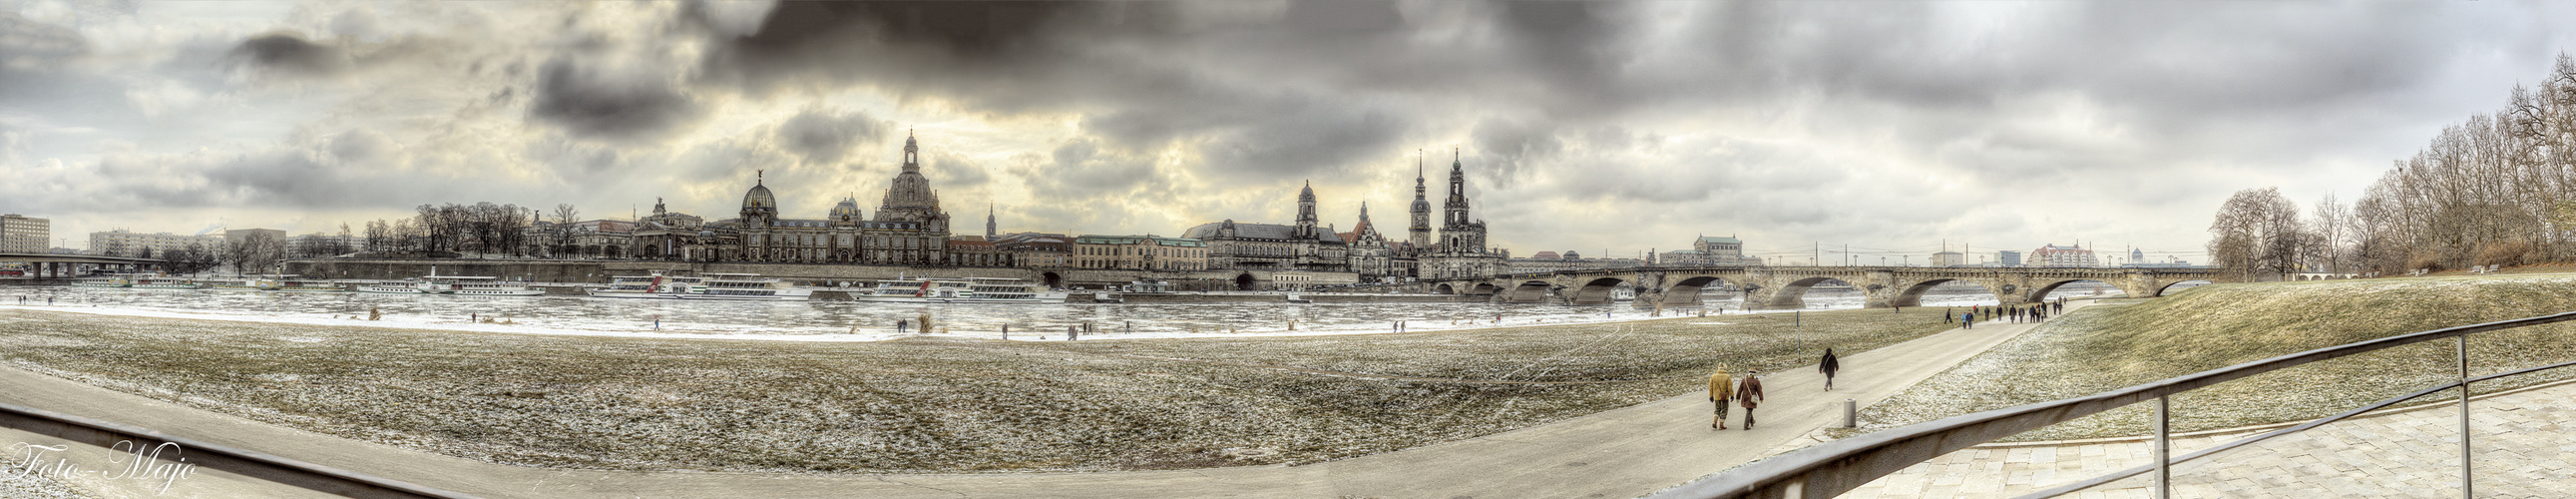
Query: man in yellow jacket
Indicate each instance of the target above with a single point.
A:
(1721, 389)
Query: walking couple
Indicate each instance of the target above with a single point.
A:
(1724, 390)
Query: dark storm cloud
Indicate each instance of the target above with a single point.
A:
(1012, 57)
(290, 53)
(29, 45)
(1571, 43)
(1507, 148)
(595, 103)
(825, 136)
(805, 43)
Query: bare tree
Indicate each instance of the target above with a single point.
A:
(565, 215)
(2330, 224)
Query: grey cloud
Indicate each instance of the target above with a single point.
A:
(29, 45)
(289, 53)
(599, 104)
(954, 171)
(1510, 148)
(1081, 168)
(825, 136)
(361, 146)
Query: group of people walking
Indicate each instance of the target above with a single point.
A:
(1725, 390)
(2038, 312)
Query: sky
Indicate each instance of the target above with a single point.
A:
(1897, 128)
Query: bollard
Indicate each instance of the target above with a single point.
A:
(1851, 413)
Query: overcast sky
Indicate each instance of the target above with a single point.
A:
(1617, 127)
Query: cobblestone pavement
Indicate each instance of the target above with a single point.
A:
(2520, 452)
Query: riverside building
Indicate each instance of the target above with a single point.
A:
(910, 228)
(25, 234)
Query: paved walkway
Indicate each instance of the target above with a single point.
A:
(1620, 453)
(2522, 449)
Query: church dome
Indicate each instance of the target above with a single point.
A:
(758, 202)
(847, 211)
(759, 199)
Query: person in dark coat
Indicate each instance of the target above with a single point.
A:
(1829, 366)
(1748, 393)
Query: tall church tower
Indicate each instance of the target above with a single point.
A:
(909, 198)
(1306, 218)
(1421, 236)
(1457, 205)
(991, 230)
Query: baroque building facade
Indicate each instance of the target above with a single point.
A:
(1251, 246)
(909, 228)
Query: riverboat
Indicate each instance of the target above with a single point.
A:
(453, 286)
(649, 286)
(236, 284)
(293, 284)
(112, 281)
(1299, 298)
(964, 290)
(744, 287)
(164, 283)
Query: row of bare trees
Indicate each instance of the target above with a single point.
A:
(485, 228)
(2496, 189)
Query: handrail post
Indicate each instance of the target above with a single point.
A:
(2164, 447)
(2466, 485)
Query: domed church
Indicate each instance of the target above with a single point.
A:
(910, 228)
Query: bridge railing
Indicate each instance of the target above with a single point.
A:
(110, 435)
(1831, 468)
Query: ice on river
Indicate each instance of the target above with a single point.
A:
(858, 321)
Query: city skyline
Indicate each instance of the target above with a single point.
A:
(2002, 126)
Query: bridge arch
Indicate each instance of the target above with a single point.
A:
(1445, 289)
(1243, 282)
(1794, 293)
(2168, 288)
(1485, 289)
(1685, 291)
(1525, 292)
(1912, 296)
(2039, 293)
(1595, 291)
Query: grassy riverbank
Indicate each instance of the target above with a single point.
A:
(2109, 347)
(919, 405)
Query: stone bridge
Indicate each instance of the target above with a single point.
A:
(1786, 287)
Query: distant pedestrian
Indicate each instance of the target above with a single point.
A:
(1721, 390)
(1949, 316)
(1749, 394)
(900, 326)
(1968, 320)
(1829, 366)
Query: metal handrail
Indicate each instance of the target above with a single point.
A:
(2383, 404)
(205, 455)
(1831, 468)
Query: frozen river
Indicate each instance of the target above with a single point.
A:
(858, 321)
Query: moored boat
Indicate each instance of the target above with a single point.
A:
(294, 284)
(163, 283)
(649, 286)
(113, 281)
(235, 284)
(745, 287)
(454, 285)
(963, 290)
